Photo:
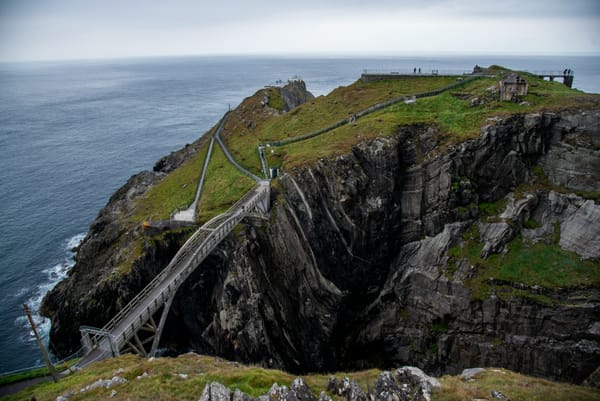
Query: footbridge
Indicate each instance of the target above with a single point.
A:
(134, 328)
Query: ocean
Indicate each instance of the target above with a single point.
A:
(71, 133)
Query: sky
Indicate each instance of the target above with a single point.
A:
(84, 29)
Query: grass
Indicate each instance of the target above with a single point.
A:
(488, 209)
(163, 381)
(316, 114)
(275, 100)
(544, 265)
(176, 190)
(513, 385)
(224, 186)
(130, 252)
(32, 374)
(454, 116)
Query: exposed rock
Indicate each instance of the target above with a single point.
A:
(215, 392)
(593, 379)
(580, 233)
(468, 374)
(573, 157)
(495, 236)
(347, 388)
(300, 391)
(499, 396)
(294, 94)
(324, 397)
(143, 376)
(104, 383)
(240, 396)
(419, 380)
(386, 389)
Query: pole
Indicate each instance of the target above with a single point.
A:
(41, 345)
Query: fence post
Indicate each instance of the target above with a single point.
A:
(41, 344)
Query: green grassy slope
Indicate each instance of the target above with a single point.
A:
(164, 381)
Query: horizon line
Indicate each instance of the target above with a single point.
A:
(321, 55)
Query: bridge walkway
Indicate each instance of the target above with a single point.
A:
(138, 314)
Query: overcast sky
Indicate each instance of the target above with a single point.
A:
(80, 29)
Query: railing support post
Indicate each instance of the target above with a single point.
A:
(161, 325)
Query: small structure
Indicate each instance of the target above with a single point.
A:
(511, 87)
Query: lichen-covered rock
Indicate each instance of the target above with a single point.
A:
(419, 380)
(580, 233)
(215, 392)
(386, 389)
(573, 157)
(298, 391)
(347, 388)
(294, 94)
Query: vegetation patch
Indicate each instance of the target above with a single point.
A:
(184, 378)
(224, 186)
(513, 385)
(542, 265)
(455, 117)
(175, 191)
(32, 374)
(275, 100)
(489, 209)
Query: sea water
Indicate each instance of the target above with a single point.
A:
(71, 133)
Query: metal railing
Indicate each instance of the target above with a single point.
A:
(189, 256)
(77, 354)
(367, 111)
(429, 71)
(230, 157)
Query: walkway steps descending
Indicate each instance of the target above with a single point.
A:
(189, 214)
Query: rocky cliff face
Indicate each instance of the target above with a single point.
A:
(351, 268)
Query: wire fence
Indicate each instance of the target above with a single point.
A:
(77, 354)
(431, 71)
(369, 110)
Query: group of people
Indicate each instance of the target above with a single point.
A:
(415, 70)
(567, 71)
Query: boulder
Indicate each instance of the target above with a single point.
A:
(420, 379)
(348, 388)
(215, 392)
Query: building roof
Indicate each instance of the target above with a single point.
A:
(513, 79)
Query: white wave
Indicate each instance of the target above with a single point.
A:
(75, 241)
(54, 275)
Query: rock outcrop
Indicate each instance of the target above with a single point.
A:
(352, 268)
(407, 384)
(294, 94)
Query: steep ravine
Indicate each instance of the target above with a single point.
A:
(351, 267)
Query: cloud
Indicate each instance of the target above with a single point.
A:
(53, 29)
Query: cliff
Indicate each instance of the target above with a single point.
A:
(406, 248)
